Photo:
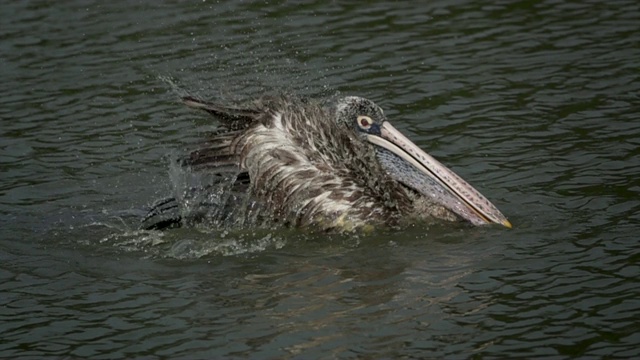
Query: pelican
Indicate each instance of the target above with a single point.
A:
(334, 167)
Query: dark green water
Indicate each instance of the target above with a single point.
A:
(537, 104)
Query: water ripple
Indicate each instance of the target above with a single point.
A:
(533, 103)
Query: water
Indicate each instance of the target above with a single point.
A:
(535, 104)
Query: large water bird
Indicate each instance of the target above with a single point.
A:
(337, 167)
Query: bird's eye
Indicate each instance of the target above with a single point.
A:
(364, 122)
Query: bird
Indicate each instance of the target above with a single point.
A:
(330, 166)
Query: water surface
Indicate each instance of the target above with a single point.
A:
(535, 104)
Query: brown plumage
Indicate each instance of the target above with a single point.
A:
(309, 173)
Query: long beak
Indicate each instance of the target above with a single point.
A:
(468, 202)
